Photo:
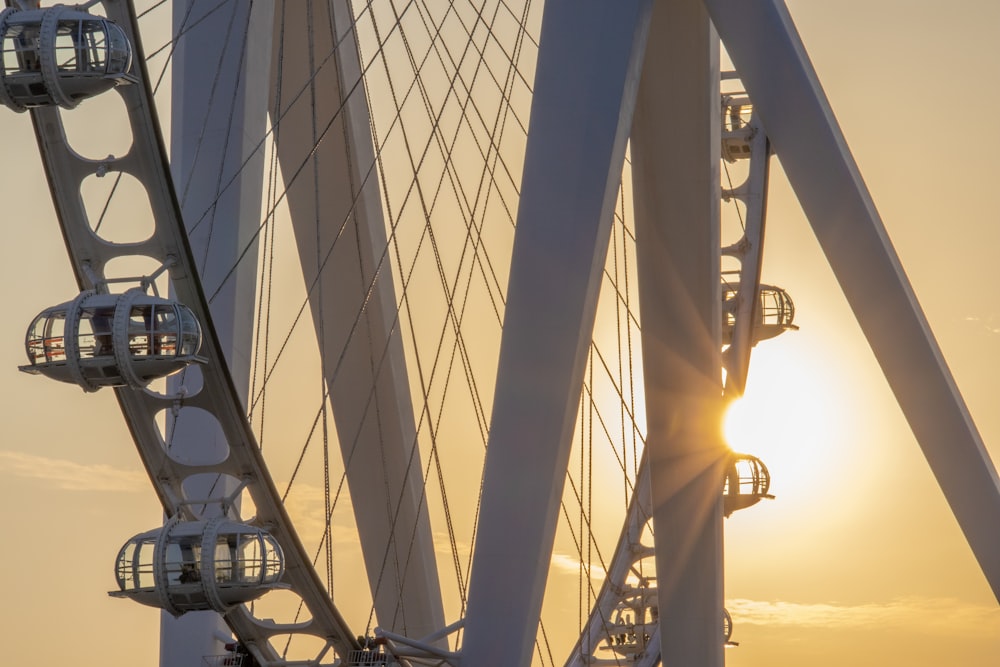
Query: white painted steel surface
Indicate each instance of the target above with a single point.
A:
(675, 172)
(588, 67)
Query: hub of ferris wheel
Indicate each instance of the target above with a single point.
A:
(59, 56)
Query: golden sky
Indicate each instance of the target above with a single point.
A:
(857, 561)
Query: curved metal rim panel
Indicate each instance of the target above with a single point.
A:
(147, 161)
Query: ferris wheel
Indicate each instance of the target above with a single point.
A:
(391, 139)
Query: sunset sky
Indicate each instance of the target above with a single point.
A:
(857, 561)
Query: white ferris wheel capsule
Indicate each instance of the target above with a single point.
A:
(774, 315)
(199, 565)
(59, 56)
(747, 481)
(113, 340)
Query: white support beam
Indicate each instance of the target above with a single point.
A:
(327, 157)
(590, 55)
(218, 114)
(772, 62)
(675, 174)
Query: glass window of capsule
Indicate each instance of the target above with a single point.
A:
(21, 49)
(154, 330)
(83, 45)
(776, 306)
(46, 338)
(241, 556)
(197, 565)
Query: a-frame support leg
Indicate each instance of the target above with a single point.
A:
(587, 74)
(675, 173)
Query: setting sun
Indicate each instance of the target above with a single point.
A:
(786, 417)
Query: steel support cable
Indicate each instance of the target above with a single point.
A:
(623, 464)
(180, 33)
(213, 208)
(590, 471)
(457, 77)
(456, 183)
(506, 5)
(425, 383)
(450, 171)
(395, 222)
(729, 179)
(313, 159)
(493, 150)
(618, 331)
(579, 579)
(107, 202)
(626, 235)
(226, 144)
(589, 540)
(276, 123)
(505, 96)
(448, 155)
(118, 176)
(586, 572)
(301, 166)
(578, 544)
(262, 343)
(419, 365)
(263, 321)
(497, 134)
(473, 235)
(155, 5)
(621, 296)
(621, 397)
(500, 45)
(630, 409)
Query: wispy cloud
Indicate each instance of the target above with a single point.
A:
(306, 503)
(944, 615)
(989, 323)
(72, 476)
(571, 565)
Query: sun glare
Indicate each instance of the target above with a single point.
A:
(788, 420)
